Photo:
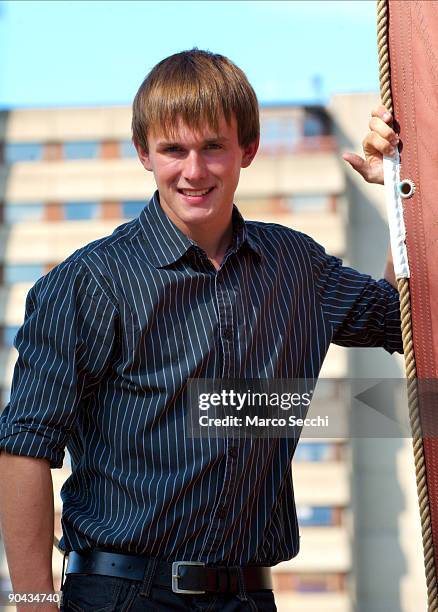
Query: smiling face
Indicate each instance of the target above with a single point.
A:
(197, 173)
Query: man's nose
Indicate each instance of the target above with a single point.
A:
(195, 167)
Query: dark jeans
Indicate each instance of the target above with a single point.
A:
(92, 593)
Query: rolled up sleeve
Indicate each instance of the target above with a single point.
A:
(362, 311)
(64, 346)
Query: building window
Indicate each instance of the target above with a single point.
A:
(279, 133)
(313, 126)
(17, 212)
(315, 451)
(81, 149)
(316, 123)
(313, 516)
(127, 149)
(5, 397)
(9, 333)
(22, 151)
(316, 583)
(22, 273)
(78, 211)
(307, 202)
(132, 208)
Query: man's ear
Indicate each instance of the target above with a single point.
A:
(143, 156)
(249, 153)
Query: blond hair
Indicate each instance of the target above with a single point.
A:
(197, 87)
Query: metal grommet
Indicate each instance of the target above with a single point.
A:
(406, 188)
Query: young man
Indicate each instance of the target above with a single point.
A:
(154, 519)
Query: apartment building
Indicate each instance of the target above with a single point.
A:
(70, 175)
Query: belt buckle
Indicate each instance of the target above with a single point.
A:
(175, 577)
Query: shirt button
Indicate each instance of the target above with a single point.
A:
(232, 452)
(227, 334)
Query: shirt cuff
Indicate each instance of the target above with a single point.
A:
(393, 334)
(45, 443)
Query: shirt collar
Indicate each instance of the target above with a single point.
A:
(166, 243)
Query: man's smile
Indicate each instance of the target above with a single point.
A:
(195, 193)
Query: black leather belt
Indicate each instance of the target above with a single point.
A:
(186, 577)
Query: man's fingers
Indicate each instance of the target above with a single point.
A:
(380, 141)
(383, 113)
(357, 163)
(371, 172)
(377, 125)
(374, 143)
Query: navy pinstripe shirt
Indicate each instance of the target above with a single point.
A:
(111, 336)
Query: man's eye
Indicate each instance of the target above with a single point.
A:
(214, 145)
(173, 149)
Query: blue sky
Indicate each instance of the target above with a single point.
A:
(98, 52)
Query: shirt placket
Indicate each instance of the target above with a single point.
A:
(226, 308)
(220, 518)
(227, 321)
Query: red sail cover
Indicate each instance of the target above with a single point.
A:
(413, 50)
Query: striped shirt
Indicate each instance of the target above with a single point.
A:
(110, 338)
